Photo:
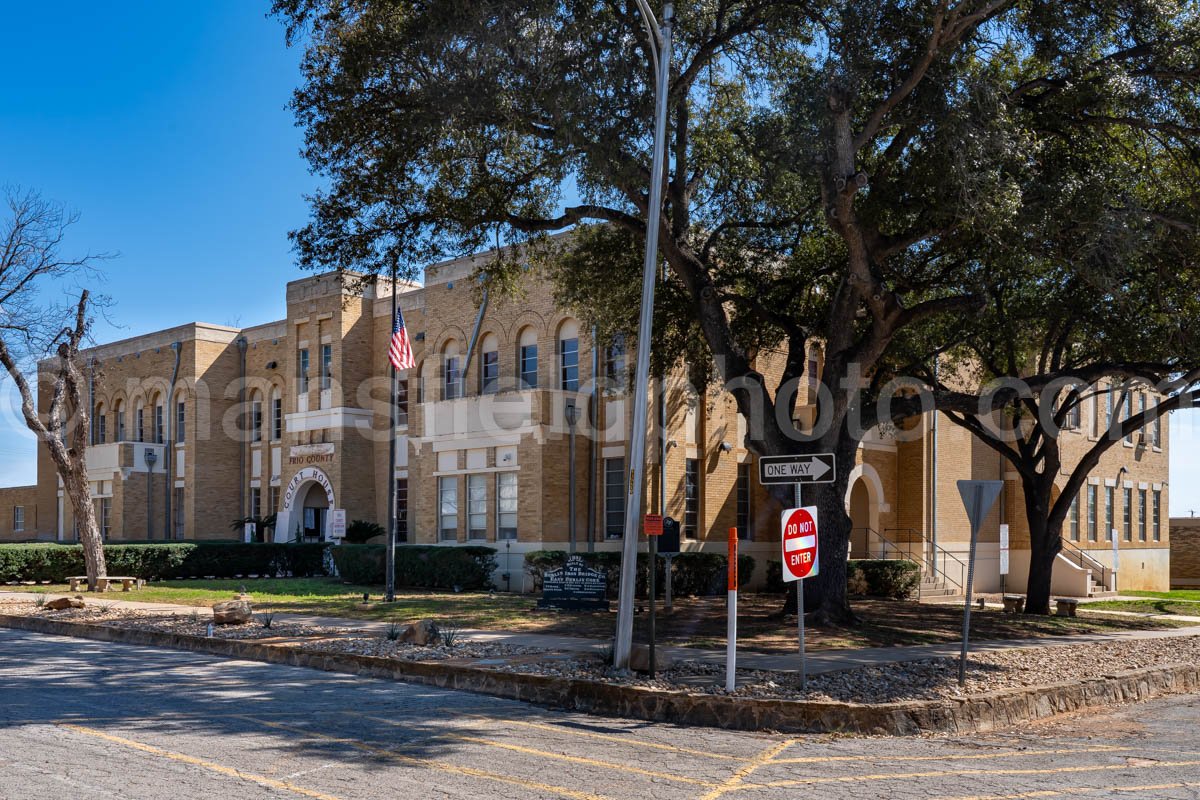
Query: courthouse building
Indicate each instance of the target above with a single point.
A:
(201, 425)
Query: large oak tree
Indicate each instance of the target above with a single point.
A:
(845, 172)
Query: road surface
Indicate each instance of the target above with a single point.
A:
(89, 719)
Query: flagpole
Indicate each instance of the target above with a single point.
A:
(390, 565)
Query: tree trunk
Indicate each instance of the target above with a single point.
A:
(75, 485)
(1044, 546)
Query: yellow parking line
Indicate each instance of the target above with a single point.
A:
(896, 776)
(627, 739)
(737, 781)
(432, 764)
(261, 780)
(1080, 790)
(1002, 754)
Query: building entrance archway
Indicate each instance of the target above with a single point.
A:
(305, 512)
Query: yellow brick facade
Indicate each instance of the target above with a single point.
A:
(491, 466)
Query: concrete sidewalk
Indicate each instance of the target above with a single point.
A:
(818, 661)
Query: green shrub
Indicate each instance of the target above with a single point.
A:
(895, 579)
(160, 560)
(418, 566)
(692, 574)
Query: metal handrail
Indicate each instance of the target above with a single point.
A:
(945, 555)
(1083, 556)
(900, 554)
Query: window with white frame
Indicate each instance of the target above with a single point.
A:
(568, 356)
(101, 426)
(180, 419)
(1156, 510)
(256, 419)
(489, 365)
(477, 507)
(448, 508)
(158, 422)
(402, 403)
(255, 502)
(506, 505)
(140, 425)
(1109, 501)
(302, 370)
(276, 415)
(326, 366)
(18, 518)
(1129, 413)
(527, 359)
(614, 498)
(1075, 519)
(1141, 515)
(451, 372)
(1128, 518)
(120, 416)
(1093, 522)
(106, 517)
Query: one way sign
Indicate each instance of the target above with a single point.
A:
(815, 468)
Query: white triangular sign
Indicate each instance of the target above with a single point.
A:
(979, 497)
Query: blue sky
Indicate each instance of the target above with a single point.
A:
(165, 126)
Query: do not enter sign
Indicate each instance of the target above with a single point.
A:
(800, 543)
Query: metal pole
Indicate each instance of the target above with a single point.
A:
(977, 501)
(389, 593)
(731, 613)
(571, 413)
(662, 480)
(653, 592)
(623, 643)
(800, 608)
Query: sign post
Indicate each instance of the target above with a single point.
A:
(1003, 556)
(731, 612)
(653, 523)
(801, 559)
(978, 497)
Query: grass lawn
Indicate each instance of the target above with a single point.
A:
(1180, 601)
(698, 622)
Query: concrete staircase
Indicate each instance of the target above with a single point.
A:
(1097, 590)
(934, 587)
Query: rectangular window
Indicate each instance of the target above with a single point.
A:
(1128, 414)
(18, 518)
(101, 429)
(489, 372)
(1108, 512)
(140, 429)
(273, 500)
(120, 426)
(180, 419)
(177, 511)
(448, 508)
(691, 497)
(1156, 525)
(1095, 416)
(106, 518)
(614, 498)
(529, 366)
(255, 501)
(302, 370)
(614, 361)
(453, 373)
(326, 366)
(256, 421)
(476, 507)
(1074, 418)
(158, 424)
(1091, 512)
(1109, 417)
(1141, 515)
(402, 403)
(276, 418)
(1128, 514)
(1075, 519)
(1156, 432)
(506, 505)
(813, 375)
(568, 364)
(743, 501)
(401, 509)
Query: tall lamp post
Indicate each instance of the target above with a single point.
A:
(151, 458)
(659, 40)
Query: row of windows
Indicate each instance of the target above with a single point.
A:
(1074, 419)
(157, 429)
(1093, 514)
(615, 496)
(326, 364)
(478, 517)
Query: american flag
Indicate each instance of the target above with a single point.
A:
(400, 352)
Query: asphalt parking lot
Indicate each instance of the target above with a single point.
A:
(93, 719)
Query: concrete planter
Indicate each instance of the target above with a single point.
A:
(982, 712)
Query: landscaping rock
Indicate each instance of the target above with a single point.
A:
(421, 633)
(61, 603)
(232, 612)
(639, 659)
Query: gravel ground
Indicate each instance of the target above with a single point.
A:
(380, 646)
(916, 680)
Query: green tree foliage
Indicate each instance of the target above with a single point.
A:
(856, 172)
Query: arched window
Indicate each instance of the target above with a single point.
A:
(568, 356)
(451, 371)
(489, 364)
(527, 359)
(119, 421)
(101, 425)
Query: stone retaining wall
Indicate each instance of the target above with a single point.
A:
(981, 712)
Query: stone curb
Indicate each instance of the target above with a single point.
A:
(977, 713)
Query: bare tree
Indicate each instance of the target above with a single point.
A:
(45, 337)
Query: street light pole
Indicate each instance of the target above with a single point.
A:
(660, 48)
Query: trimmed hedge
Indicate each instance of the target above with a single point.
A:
(418, 566)
(875, 577)
(157, 561)
(692, 574)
